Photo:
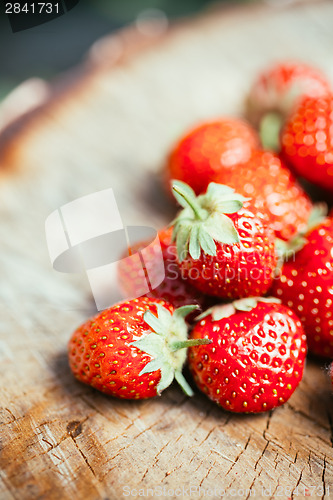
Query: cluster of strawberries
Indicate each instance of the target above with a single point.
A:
(248, 284)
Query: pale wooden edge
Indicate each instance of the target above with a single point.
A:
(118, 49)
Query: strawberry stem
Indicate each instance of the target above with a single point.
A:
(191, 202)
(183, 344)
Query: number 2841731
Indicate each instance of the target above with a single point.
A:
(32, 8)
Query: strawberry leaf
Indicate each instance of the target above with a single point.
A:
(203, 222)
(222, 311)
(183, 383)
(317, 215)
(206, 242)
(183, 188)
(152, 344)
(182, 241)
(183, 311)
(229, 206)
(164, 317)
(194, 246)
(154, 322)
(167, 345)
(246, 304)
(269, 300)
(221, 228)
(218, 312)
(216, 190)
(167, 376)
(153, 365)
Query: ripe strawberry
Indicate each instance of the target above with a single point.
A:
(307, 141)
(173, 289)
(208, 149)
(275, 92)
(228, 256)
(132, 350)
(305, 284)
(266, 179)
(256, 358)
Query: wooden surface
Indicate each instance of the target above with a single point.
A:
(109, 124)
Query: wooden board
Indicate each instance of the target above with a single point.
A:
(109, 123)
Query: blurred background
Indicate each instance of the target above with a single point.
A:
(55, 46)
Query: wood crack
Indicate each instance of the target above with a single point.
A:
(97, 410)
(251, 485)
(298, 481)
(330, 421)
(83, 456)
(276, 487)
(269, 416)
(12, 415)
(262, 454)
(156, 459)
(239, 455)
(305, 415)
(323, 478)
(207, 474)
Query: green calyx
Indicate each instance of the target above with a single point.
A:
(245, 305)
(285, 250)
(202, 222)
(317, 215)
(167, 345)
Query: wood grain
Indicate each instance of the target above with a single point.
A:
(110, 123)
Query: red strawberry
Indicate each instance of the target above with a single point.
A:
(275, 92)
(132, 350)
(266, 179)
(208, 149)
(173, 289)
(256, 358)
(307, 141)
(305, 284)
(224, 249)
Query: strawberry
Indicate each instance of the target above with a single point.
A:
(132, 350)
(265, 178)
(275, 92)
(305, 284)
(307, 141)
(173, 289)
(256, 358)
(224, 245)
(208, 149)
